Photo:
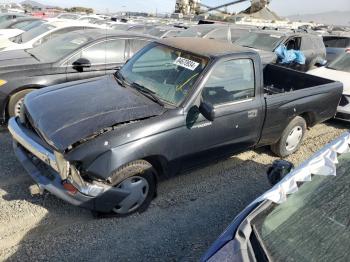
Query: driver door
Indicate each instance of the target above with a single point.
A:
(231, 90)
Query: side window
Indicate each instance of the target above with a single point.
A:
(308, 43)
(136, 45)
(230, 81)
(294, 43)
(105, 52)
(115, 51)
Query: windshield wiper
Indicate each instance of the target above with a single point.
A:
(120, 78)
(147, 92)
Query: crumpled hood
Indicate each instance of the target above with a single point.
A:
(67, 113)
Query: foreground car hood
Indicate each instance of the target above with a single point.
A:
(67, 113)
(334, 75)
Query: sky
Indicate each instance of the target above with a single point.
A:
(282, 7)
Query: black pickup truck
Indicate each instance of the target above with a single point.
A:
(176, 104)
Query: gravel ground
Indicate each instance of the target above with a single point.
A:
(190, 212)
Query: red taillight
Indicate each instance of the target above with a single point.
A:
(69, 187)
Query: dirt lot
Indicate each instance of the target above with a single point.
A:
(190, 211)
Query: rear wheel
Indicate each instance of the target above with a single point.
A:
(291, 138)
(138, 178)
(16, 102)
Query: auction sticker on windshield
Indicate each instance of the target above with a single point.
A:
(186, 63)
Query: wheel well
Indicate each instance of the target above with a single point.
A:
(159, 163)
(309, 118)
(6, 114)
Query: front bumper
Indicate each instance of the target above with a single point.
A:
(42, 166)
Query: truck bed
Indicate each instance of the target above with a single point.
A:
(289, 93)
(278, 79)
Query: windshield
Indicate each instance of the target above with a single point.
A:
(261, 41)
(31, 25)
(314, 223)
(196, 31)
(32, 33)
(341, 64)
(59, 47)
(166, 72)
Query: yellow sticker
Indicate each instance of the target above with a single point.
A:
(2, 82)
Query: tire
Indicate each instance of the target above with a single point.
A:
(16, 101)
(291, 138)
(139, 176)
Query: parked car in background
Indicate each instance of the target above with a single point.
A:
(224, 32)
(40, 34)
(176, 104)
(9, 16)
(68, 16)
(73, 56)
(90, 18)
(338, 70)
(18, 26)
(336, 46)
(305, 217)
(164, 31)
(136, 28)
(310, 45)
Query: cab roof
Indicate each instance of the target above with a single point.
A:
(203, 46)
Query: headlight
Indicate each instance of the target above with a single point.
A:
(2, 82)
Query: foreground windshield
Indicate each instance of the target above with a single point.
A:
(266, 42)
(59, 47)
(341, 64)
(167, 72)
(314, 223)
(31, 34)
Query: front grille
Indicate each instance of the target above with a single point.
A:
(343, 101)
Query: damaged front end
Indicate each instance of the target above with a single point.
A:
(52, 172)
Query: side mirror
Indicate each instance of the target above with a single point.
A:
(207, 110)
(81, 63)
(278, 170)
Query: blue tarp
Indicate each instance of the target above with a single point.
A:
(289, 56)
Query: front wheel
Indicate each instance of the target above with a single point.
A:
(16, 102)
(138, 178)
(291, 138)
